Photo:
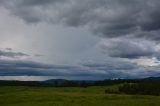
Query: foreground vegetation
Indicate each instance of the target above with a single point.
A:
(71, 96)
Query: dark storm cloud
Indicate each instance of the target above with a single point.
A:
(18, 67)
(9, 53)
(38, 2)
(92, 70)
(129, 29)
(110, 66)
(111, 19)
(32, 11)
(122, 69)
(104, 17)
(130, 48)
(31, 64)
(115, 18)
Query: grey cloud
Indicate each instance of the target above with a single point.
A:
(38, 2)
(31, 64)
(150, 16)
(38, 55)
(10, 49)
(97, 70)
(105, 17)
(31, 11)
(130, 29)
(11, 54)
(18, 67)
(115, 18)
(130, 48)
(122, 69)
(111, 69)
(112, 64)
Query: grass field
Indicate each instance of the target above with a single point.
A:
(70, 96)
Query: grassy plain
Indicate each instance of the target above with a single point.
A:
(70, 96)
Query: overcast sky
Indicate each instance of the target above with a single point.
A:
(79, 39)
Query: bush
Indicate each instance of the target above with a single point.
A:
(150, 88)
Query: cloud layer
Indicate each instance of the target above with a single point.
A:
(120, 69)
(123, 34)
(138, 18)
(11, 54)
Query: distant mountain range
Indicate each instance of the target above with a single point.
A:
(63, 82)
(153, 78)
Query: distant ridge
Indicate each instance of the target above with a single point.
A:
(152, 78)
(83, 83)
(53, 81)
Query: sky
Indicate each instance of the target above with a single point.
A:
(79, 39)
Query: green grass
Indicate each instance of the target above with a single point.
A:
(70, 96)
